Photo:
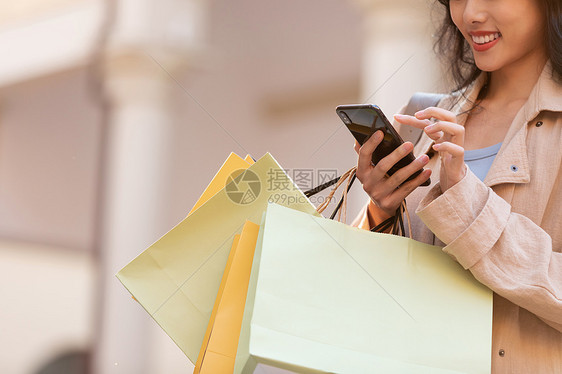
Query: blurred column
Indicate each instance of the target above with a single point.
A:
(398, 57)
(150, 44)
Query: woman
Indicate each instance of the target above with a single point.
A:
(506, 226)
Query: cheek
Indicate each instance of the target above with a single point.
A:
(526, 23)
(537, 28)
(457, 12)
(528, 33)
(456, 15)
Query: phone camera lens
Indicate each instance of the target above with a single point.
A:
(345, 119)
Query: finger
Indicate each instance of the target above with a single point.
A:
(412, 121)
(357, 146)
(401, 193)
(438, 113)
(364, 164)
(389, 161)
(436, 136)
(453, 149)
(454, 131)
(404, 173)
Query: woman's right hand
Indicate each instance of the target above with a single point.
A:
(388, 192)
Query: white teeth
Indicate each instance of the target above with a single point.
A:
(485, 39)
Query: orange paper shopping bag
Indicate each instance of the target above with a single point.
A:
(177, 278)
(218, 351)
(228, 170)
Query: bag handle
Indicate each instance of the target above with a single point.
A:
(348, 176)
(418, 101)
(396, 223)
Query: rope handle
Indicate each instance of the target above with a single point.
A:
(348, 175)
(395, 223)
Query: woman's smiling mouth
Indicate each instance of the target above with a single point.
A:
(482, 41)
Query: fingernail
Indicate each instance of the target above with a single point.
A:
(399, 116)
(436, 146)
(429, 127)
(419, 113)
(424, 159)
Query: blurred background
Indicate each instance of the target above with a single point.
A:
(114, 116)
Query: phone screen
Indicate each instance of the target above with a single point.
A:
(363, 123)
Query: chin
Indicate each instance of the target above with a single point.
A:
(486, 66)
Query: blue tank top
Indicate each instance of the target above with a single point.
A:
(480, 160)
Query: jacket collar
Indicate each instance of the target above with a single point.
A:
(512, 164)
(545, 96)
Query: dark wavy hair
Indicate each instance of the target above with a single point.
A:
(458, 55)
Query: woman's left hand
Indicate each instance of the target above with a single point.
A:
(448, 136)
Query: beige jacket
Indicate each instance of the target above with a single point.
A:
(507, 230)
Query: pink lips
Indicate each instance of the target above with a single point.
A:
(485, 46)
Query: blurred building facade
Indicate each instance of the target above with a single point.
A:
(114, 115)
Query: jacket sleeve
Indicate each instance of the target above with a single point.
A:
(504, 250)
(362, 220)
(369, 216)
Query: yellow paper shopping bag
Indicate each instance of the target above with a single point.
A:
(177, 279)
(218, 351)
(228, 169)
(249, 159)
(231, 167)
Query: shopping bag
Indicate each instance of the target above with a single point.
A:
(329, 298)
(234, 247)
(232, 167)
(218, 351)
(177, 279)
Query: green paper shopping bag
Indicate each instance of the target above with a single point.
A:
(177, 278)
(325, 297)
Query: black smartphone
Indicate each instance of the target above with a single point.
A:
(363, 120)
